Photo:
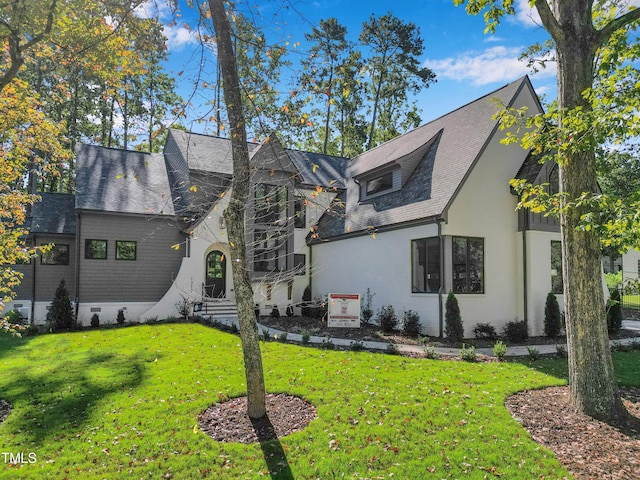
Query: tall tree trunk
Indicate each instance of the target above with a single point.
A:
(234, 214)
(593, 387)
(328, 115)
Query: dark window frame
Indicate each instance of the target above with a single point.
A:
(88, 249)
(135, 250)
(270, 246)
(384, 184)
(299, 212)
(300, 264)
(430, 285)
(468, 267)
(270, 203)
(47, 258)
(557, 280)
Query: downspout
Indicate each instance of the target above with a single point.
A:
(441, 289)
(77, 265)
(33, 283)
(524, 276)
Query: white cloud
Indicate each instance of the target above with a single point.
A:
(526, 15)
(179, 36)
(495, 64)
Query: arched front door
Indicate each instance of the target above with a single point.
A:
(216, 275)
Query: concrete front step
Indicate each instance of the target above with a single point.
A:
(219, 309)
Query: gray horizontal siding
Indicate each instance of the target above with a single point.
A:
(48, 276)
(142, 280)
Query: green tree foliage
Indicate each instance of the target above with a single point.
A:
(453, 328)
(60, 316)
(596, 49)
(393, 71)
(552, 318)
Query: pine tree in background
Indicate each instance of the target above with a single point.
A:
(60, 315)
(552, 320)
(614, 312)
(453, 328)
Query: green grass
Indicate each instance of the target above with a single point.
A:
(123, 403)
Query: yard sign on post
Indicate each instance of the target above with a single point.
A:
(344, 310)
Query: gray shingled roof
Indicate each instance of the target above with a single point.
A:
(122, 181)
(54, 213)
(213, 154)
(463, 135)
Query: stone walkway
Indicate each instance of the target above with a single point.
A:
(516, 351)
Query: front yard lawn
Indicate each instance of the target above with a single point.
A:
(123, 403)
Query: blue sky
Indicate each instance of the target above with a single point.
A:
(468, 63)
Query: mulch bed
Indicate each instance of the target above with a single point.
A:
(588, 448)
(229, 422)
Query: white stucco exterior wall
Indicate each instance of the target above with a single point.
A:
(383, 265)
(630, 263)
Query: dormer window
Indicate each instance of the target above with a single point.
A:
(380, 183)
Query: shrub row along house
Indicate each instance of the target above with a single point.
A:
(429, 212)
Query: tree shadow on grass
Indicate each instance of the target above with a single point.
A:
(272, 449)
(49, 402)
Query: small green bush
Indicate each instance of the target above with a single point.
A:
(306, 298)
(533, 353)
(387, 318)
(430, 352)
(327, 344)
(282, 337)
(485, 331)
(561, 351)
(614, 280)
(392, 349)
(266, 336)
(120, 317)
(552, 317)
(306, 336)
(367, 306)
(411, 323)
(500, 350)
(95, 320)
(468, 354)
(516, 331)
(453, 328)
(614, 312)
(356, 346)
(275, 312)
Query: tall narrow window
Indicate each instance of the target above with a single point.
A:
(425, 265)
(270, 254)
(300, 209)
(556, 267)
(468, 265)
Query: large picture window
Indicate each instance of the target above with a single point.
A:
(271, 204)
(468, 265)
(270, 253)
(425, 265)
(58, 255)
(95, 249)
(126, 250)
(556, 267)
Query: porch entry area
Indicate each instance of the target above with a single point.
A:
(215, 284)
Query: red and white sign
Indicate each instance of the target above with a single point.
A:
(344, 310)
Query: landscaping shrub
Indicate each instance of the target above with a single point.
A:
(120, 318)
(13, 316)
(275, 313)
(319, 309)
(289, 310)
(500, 350)
(356, 345)
(614, 312)
(306, 336)
(516, 331)
(411, 323)
(614, 280)
(392, 349)
(485, 331)
(60, 315)
(430, 352)
(552, 318)
(561, 351)
(327, 344)
(306, 298)
(387, 318)
(533, 353)
(95, 320)
(468, 354)
(367, 306)
(453, 328)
